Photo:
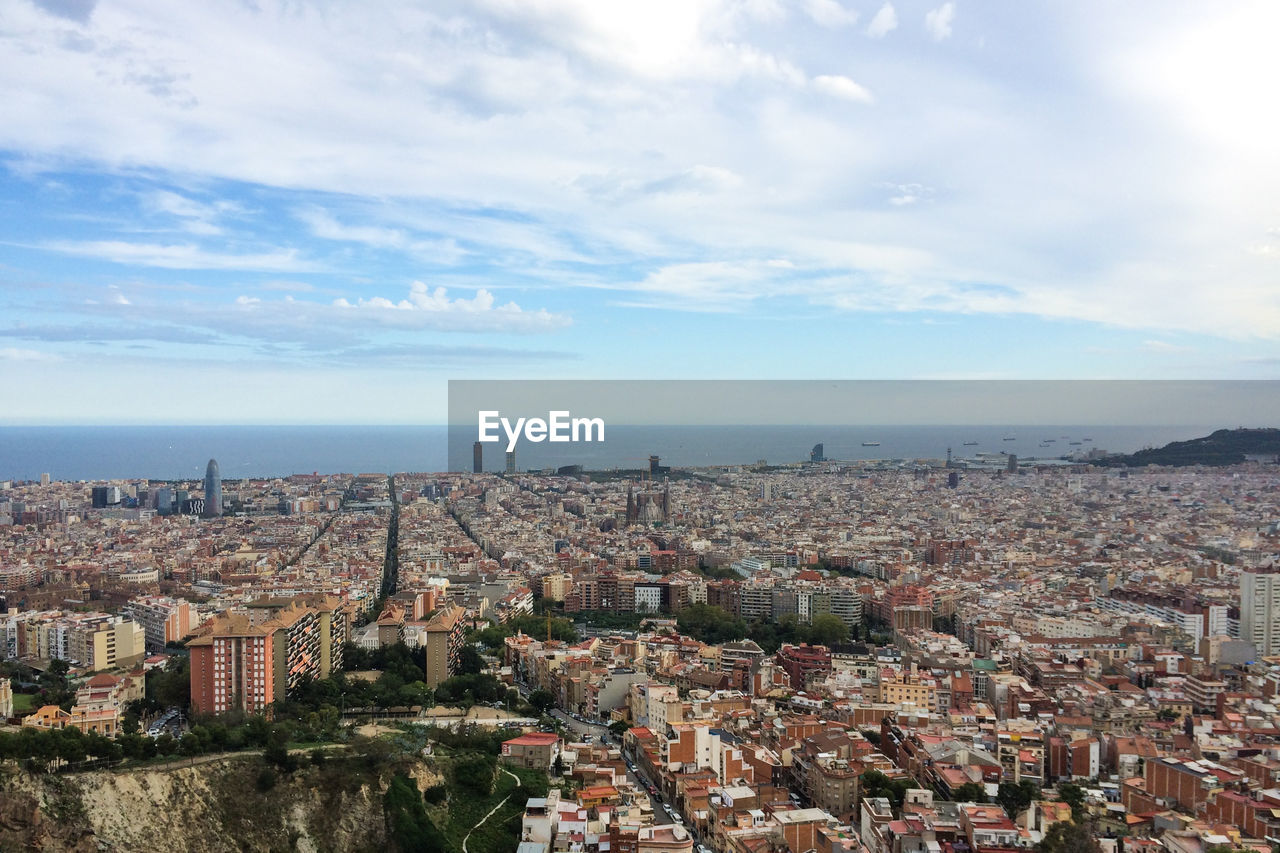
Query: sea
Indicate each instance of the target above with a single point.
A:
(181, 452)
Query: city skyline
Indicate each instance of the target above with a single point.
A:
(298, 206)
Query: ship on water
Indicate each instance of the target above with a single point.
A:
(870, 444)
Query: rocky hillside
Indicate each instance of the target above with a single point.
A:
(213, 807)
(1222, 447)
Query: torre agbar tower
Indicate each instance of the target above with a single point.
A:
(212, 491)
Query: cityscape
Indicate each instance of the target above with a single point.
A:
(835, 656)
(639, 426)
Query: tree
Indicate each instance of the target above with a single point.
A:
(1073, 795)
(618, 728)
(542, 700)
(1015, 797)
(408, 825)
(828, 629)
(969, 792)
(1064, 837)
(876, 784)
(710, 624)
(469, 662)
(475, 770)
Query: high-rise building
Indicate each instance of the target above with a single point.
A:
(443, 637)
(477, 458)
(44, 479)
(511, 461)
(212, 491)
(817, 455)
(1012, 466)
(655, 466)
(163, 620)
(1260, 609)
(247, 661)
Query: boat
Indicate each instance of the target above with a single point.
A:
(1088, 439)
(1044, 444)
(971, 444)
(1074, 443)
(1010, 438)
(870, 444)
(1050, 440)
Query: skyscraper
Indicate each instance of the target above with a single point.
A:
(212, 491)
(817, 454)
(511, 461)
(1260, 609)
(477, 458)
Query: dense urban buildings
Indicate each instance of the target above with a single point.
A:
(824, 656)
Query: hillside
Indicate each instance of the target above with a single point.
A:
(209, 808)
(1222, 447)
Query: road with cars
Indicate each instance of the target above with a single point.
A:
(663, 813)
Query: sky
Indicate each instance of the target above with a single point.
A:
(321, 212)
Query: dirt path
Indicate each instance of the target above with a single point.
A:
(495, 808)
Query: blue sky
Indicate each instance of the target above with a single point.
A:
(279, 212)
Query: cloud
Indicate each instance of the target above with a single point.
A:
(72, 10)
(288, 286)
(696, 180)
(884, 22)
(432, 308)
(99, 333)
(938, 21)
(422, 355)
(908, 194)
(830, 13)
(14, 354)
(325, 226)
(547, 143)
(195, 217)
(181, 256)
(1165, 347)
(842, 87)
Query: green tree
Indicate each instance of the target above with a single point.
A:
(1073, 795)
(1064, 837)
(828, 629)
(469, 662)
(876, 784)
(1016, 797)
(542, 700)
(408, 825)
(618, 728)
(710, 624)
(969, 792)
(475, 770)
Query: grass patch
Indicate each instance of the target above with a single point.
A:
(501, 832)
(23, 703)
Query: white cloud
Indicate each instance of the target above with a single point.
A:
(560, 142)
(842, 87)
(938, 21)
(16, 354)
(325, 226)
(432, 308)
(830, 13)
(195, 217)
(180, 256)
(884, 22)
